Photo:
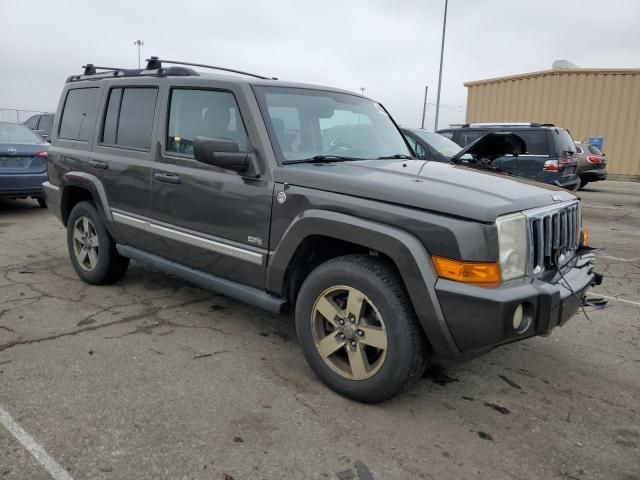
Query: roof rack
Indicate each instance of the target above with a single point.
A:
(154, 68)
(508, 124)
(94, 72)
(155, 62)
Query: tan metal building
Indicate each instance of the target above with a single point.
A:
(589, 102)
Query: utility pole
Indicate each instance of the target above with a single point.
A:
(424, 105)
(362, 90)
(139, 44)
(444, 29)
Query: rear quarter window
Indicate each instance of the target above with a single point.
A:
(595, 150)
(79, 114)
(563, 141)
(536, 141)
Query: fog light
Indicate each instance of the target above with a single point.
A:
(518, 319)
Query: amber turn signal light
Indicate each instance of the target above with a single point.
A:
(584, 238)
(467, 272)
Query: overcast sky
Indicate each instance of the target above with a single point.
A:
(391, 48)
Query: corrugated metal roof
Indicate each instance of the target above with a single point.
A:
(564, 71)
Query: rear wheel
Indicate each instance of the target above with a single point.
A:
(91, 249)
(358, 330)
(583, 184)
(42, 202)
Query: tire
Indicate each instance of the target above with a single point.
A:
(42, 202)
(583, 184)
(101, 264)
(387, 311)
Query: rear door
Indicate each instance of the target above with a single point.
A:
(208, 218)
(123, 153)
(531, 163)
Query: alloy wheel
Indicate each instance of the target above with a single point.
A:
(349, 332)
(85, 243)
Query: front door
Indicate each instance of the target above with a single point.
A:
(208, 218)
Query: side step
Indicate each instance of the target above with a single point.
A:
(243, 293)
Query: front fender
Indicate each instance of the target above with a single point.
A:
(406, 251)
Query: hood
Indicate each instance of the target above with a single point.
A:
(434, 186)
(491, 146)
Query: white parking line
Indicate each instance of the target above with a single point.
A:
(609, 229)
(622, 300)
(40, 454)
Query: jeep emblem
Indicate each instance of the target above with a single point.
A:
(281, 197)
(556, 198)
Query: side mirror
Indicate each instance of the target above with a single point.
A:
(224, 154)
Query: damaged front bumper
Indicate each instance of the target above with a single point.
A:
(480, 318)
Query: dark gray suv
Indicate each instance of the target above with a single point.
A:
(307, 199)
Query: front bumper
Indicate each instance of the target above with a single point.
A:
(480, 318)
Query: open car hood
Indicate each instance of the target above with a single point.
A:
(491, 146)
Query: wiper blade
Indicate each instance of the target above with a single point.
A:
(322, 159)
(397, 155)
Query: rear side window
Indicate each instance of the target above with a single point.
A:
(79, 114)
(563, 140)
(129, 118)
(535, 140)
(203, 113)
(447, 134)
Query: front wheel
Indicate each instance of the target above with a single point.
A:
(91, 249)
(358, 330)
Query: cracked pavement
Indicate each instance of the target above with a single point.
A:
(155, 378)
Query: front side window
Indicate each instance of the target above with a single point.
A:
(203, 113)
(306, 123)
(129, 118)
(46, 121)
(79, 114)
(32, 123)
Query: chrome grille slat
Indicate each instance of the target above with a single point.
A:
(551, 228)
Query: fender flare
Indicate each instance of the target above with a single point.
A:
(406, 251)
(93, 185)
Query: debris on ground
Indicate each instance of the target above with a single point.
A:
(597, 302)
(510, 382)
(363, 472)
(238, 439)
(498, 408)
(485, 436)
(470, 399)
(207, 355)
(346, 474)
(25, 270)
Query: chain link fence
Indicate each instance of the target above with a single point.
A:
(16, 114)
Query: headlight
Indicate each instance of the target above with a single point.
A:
(512, 237)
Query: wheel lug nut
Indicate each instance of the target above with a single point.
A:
(360, 333)
(342, 337)
(353, 343)
(341, 321)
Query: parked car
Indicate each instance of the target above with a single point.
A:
(549, 156)
(300, 198)
(429, 145)
(41, 123)
(592, 164)
(23, 162)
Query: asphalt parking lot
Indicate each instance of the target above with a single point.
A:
(153, 378)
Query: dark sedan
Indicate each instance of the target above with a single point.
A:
(23, 162)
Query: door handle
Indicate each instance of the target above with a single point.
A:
(167, 178)
(98, 164)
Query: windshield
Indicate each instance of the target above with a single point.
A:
(309, 123)
(16, 133)
(439, 143)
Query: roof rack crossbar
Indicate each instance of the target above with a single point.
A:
(91, 69)
(155, 63)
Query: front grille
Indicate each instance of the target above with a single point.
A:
(549, 229)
